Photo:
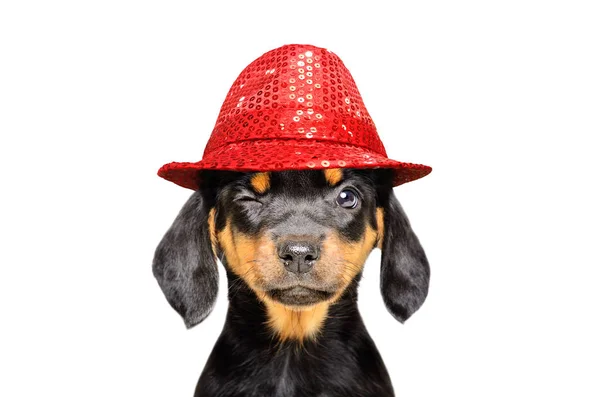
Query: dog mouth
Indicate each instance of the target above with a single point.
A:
(299, 296)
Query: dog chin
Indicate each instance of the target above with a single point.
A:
(298, 296)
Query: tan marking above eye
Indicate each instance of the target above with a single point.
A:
(333, 176)
(261, 182)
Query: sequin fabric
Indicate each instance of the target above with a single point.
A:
(295, 108)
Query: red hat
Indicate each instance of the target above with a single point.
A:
(294, 108)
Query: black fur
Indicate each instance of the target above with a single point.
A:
(404, 266)
(184, 264)
(248, 360)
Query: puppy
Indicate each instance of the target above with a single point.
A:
(293, 245)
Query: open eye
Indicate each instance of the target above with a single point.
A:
(347, 199)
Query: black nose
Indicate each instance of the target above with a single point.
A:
(298, 256)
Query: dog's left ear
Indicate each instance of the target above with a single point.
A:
(184, 263)
(404, 266)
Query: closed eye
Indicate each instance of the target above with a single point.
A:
(245, 197)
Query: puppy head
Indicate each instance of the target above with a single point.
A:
(298, 239)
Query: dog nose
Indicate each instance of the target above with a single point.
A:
(298, 256)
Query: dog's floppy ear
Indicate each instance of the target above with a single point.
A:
(184, 263)
(404, 266)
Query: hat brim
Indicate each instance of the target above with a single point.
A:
(286, 155)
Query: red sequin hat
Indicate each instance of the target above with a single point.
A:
(294, 108)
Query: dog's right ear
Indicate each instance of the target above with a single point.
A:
(184, 262)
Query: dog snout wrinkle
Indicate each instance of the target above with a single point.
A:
(298, 256)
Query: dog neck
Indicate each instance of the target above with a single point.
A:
(249, 348)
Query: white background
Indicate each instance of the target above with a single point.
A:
(502, 98)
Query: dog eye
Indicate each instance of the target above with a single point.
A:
(347, 199)
(246, 198)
